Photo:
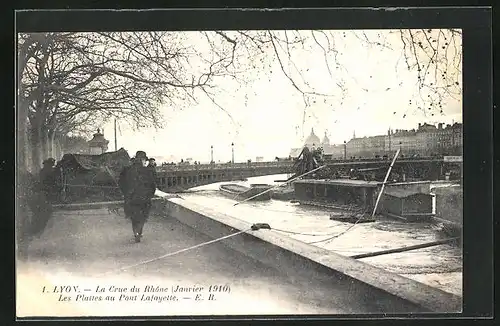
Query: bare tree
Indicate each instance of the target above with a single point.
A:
(71, 82)
(434, 55)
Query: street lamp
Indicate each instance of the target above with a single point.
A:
(345, 150)
(211, 154)
(232, 152)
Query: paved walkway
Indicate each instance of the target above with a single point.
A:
(78, 246)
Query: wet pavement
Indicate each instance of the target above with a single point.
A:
(87, 248)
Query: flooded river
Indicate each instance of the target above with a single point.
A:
(92, 249)
(438, 266)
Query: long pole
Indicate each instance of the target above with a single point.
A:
(232, 153)
(403, 249)
(385, 181)
(390, 139)
(116, 141)
(281, 185)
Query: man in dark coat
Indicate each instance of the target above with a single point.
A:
(152, 165)
(138, 185)
(122, 184)
(50, 180)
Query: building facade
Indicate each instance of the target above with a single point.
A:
(426, 140)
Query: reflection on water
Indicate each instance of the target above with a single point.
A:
(312, 224)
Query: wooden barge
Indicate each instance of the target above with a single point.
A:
(406, 204)
(240, 192)
(283, 193)
(449, 209)
(404, 201)
(343, 192)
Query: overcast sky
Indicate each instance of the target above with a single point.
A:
(268, 115)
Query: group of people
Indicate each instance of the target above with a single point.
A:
(37, 194)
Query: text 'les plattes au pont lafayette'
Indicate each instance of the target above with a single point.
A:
(146, 293)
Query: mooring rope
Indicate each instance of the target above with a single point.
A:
(178, 251)
(281, 185)
(302, 233)
(363, 214)
(337, 235)
(256, 226)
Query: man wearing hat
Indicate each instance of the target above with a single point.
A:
(138, 186)
(152, 166)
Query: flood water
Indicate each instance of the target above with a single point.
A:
(438, 266)
(94, 248)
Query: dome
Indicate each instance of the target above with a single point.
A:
(99, 142)
(98, 139)
(312, 140)
(326, 140)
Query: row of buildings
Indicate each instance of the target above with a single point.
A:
(426, 140)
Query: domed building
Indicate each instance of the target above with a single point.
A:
(326, 141)
(312, 140)
(336, 151)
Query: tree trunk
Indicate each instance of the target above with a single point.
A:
(22, 113)
(36, 149)
(45, 144)
(57, 148)
(50, 144)
(22, 139)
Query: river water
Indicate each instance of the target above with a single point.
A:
(438, 266)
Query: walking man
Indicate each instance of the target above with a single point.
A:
(138, 186)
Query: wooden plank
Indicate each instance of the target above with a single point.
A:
(403, 249)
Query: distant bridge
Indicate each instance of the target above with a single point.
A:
(186, 176)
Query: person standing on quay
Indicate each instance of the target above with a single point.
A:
(152, 162)
(50, 180)
(138, 186)
(152, 166)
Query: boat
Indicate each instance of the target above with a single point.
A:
(409, 205)
(283, 193)
(449, 203)
(352, 218)
(240, 192)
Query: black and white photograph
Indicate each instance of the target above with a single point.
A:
(239, 172)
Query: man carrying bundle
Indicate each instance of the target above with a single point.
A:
(138, 185)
